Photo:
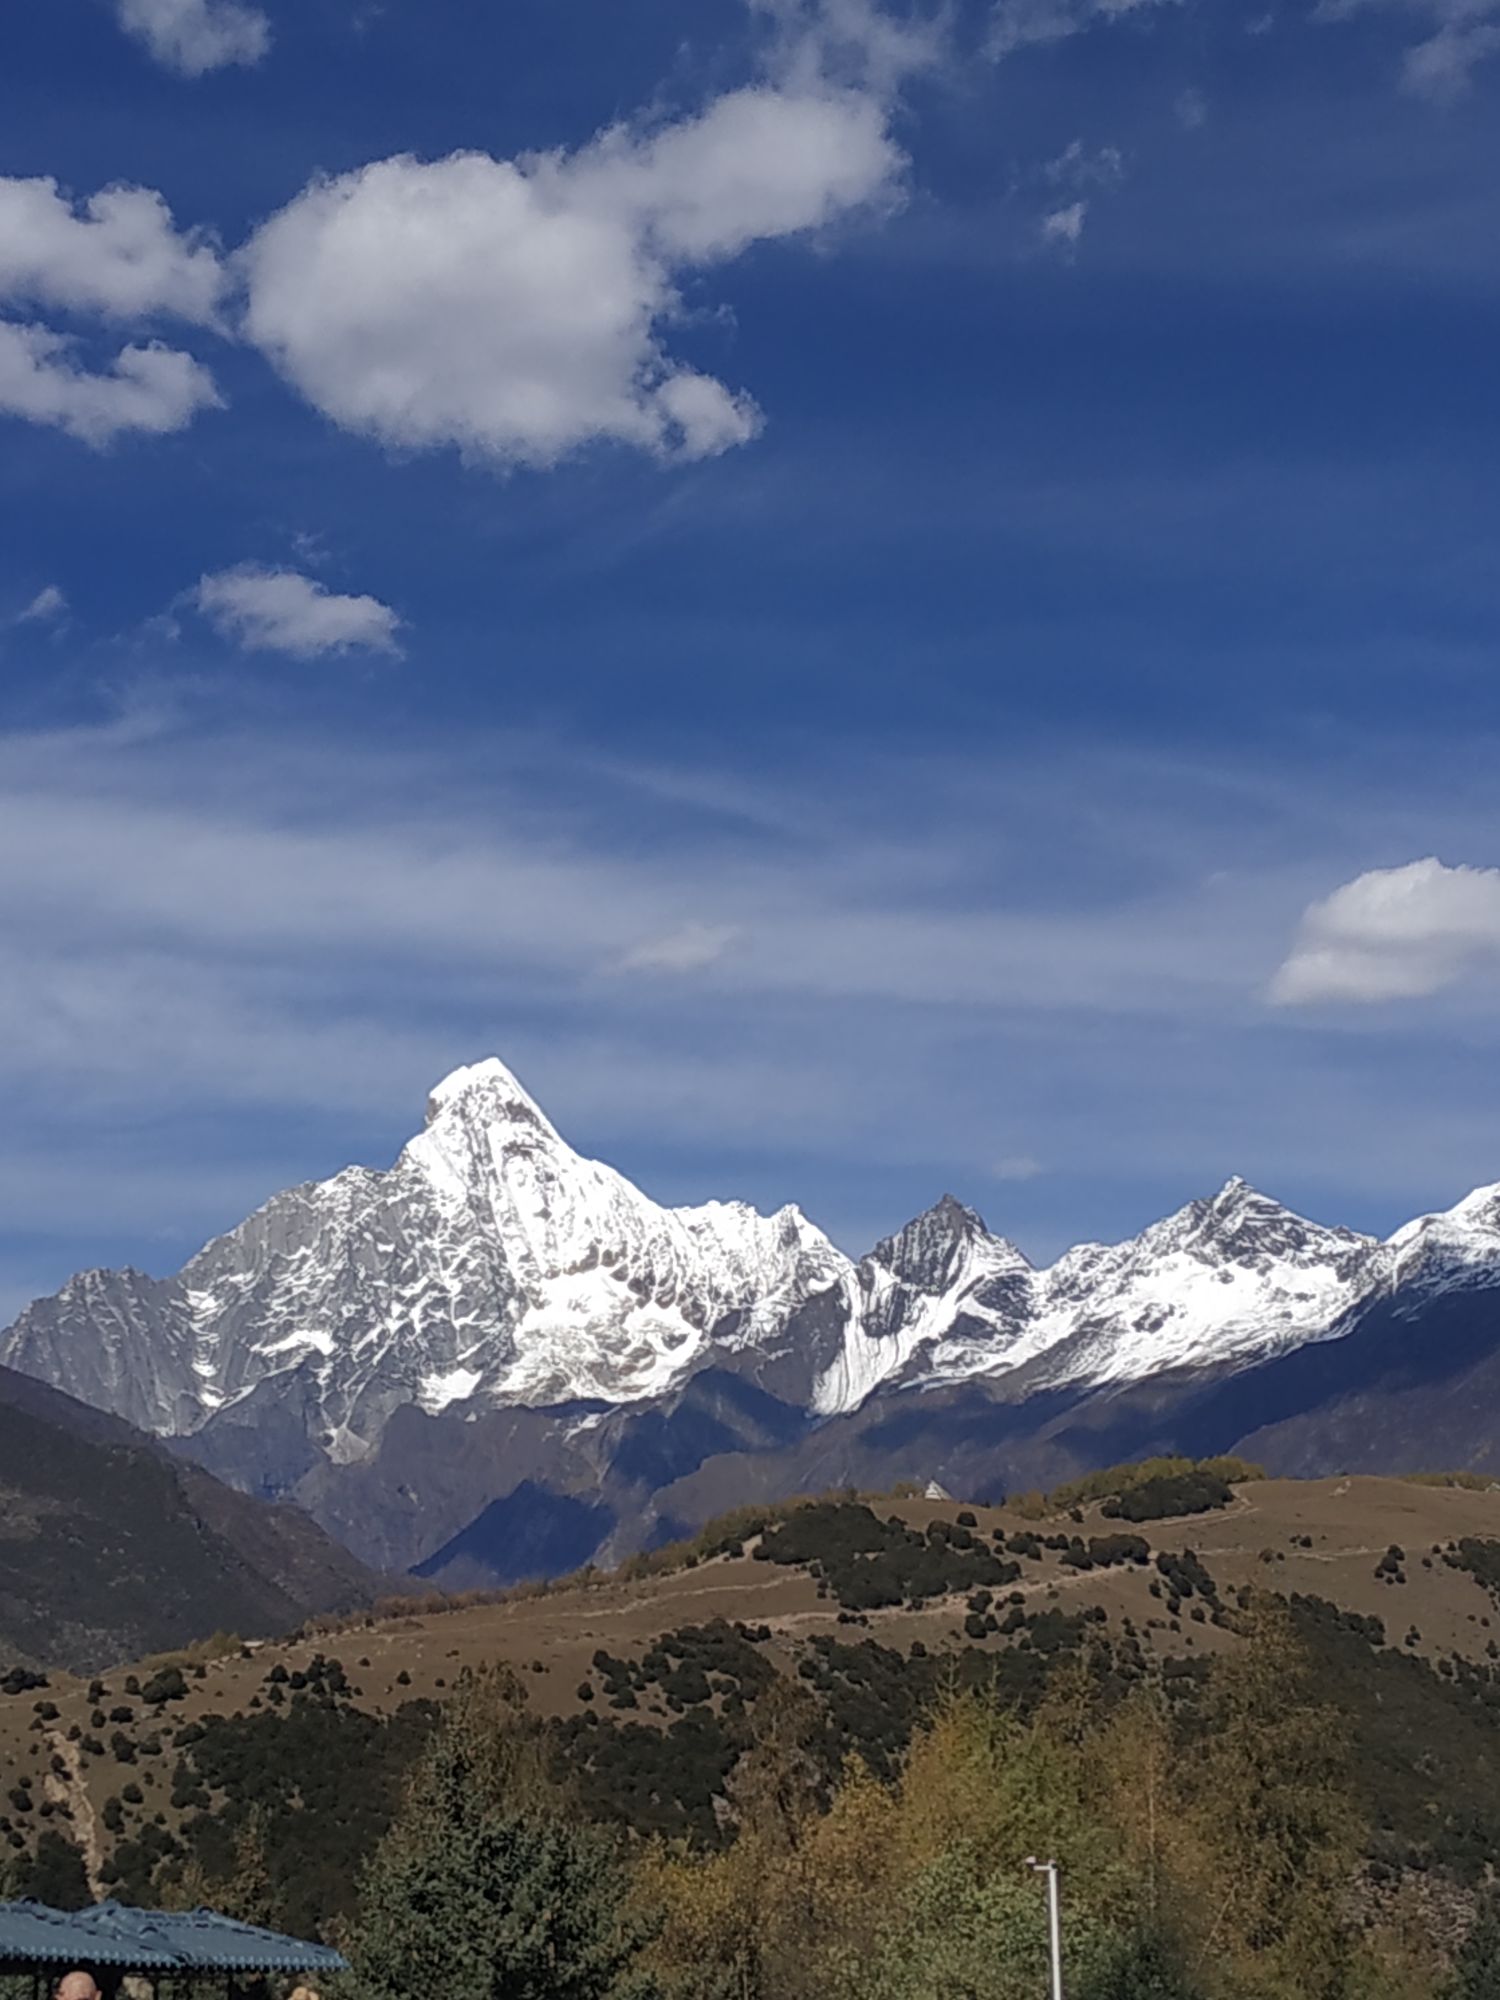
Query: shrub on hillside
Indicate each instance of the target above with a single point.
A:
(1169, 1496)
(169, 1684)
(1481, 1558)
(869, 1564)
(1114, 1481)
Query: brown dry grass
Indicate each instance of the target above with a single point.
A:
(419, 1646)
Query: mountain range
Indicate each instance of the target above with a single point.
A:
(498, 1357)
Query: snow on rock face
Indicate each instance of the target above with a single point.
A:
(612, 1296)
(1233, 1279)
(1456, 1250)
(493, 1265)
(491, 1261)
(942, 1282)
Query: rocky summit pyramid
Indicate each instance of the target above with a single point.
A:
(495, 1315)
(491, 1263)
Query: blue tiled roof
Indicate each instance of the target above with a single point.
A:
(152, 1941)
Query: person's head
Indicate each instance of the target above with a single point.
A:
(77, 1986)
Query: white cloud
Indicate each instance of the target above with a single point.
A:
(1017, 1167)
(47, 605)
(194, 36)
(518, 308)
(1464, 33)
(1393, 934)
(1064, 226)
(151, 388)
(117, 253)
(1192, 110)
(282, 611)
(692, 948)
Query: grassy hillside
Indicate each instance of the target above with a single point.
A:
(645, 1686)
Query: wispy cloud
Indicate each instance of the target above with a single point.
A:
(1080, 170)
(691, 948)
(46, 608)
(233, 934)
(1462, 35)
(1024, 24)
(1081, 166)
(263, 874)
(863, 43)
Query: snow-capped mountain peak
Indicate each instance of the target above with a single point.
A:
(1227, 1278)
(941, 1285)
(935, 1246)
(487, 1091)
(490, 1263)
(1242, 1224)
(1455, 1249)
(493, 1265)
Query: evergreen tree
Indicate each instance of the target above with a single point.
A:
(512, 1904)
(482, 1889)
(56, 1874)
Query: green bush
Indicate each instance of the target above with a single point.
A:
(1170, 1495)
(1114, 1481)
(169, 1684)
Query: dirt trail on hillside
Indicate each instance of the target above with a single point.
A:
(755, 1588)
(1070, 1579)
(823, 1615)
(68, 1789)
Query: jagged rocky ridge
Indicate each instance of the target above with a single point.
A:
(406, 1351)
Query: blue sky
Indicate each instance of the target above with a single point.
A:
(877, 600)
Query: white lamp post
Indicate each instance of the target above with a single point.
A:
(1054, 1920)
